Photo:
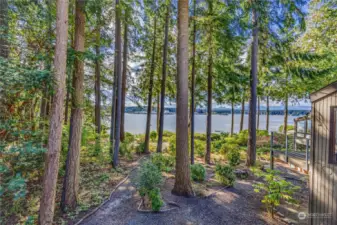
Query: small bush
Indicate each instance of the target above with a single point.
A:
(275, 189)
(167, 133)
(148, 182)
(140, 148)
(129, 138)
(198, 172)
(216, 145)
(153, 135)
(163, 162)
(289, 127)
(228, 147)
(172, 144)
(125, 149)
(225, 175)
(201, 137)
(234, 158)
(199, 148)
(215, 137)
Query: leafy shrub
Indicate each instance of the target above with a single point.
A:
(228, 147)
(216, 145)
(140, 148)
(167, 133)
(215, 137)
(289, 127)
(153, 135)
(225, 174)
(275, 189)
(234, 158)
(156, 200)
(201, 137)
(129, 137)
(199, 148)
(148, 182)
(125, 149)
(198, 172)
(172, 144)
(261, 133)
(242, 138)
(163, 162)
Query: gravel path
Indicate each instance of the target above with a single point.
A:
(239, 205)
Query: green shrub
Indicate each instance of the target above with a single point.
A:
(153, 135)
(156, 200)
(201, 137)
(198, 172)
(262, 133)
(172, 144)
(242, 138)
(228, 147)
(148, 182)
(125, 149)
(140, 148)
(275, 189)
(216, 145)
(234, 158)
(215, 137)
(289, 127)
(129, 138)
(163, 162)
(199, 148)
(167, 133)
(225, 175)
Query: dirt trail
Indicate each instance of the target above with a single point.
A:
(239, 205)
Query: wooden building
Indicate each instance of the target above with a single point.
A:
(323, 160)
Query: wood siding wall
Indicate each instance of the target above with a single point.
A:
(323, 182)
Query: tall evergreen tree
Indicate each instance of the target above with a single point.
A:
(47, 202)
(182, 185)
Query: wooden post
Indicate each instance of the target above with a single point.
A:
(287, 148)
(307, 154)
(271, 151)
(295, 133)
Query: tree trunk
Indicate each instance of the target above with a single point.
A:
(4, 48)
(47, 202)
(193, 80)
(209, 93)
(125, 68)
(267, 112)
(113, 110)
(182, 185)
(98, 78)
(258, 114)
(242, 114)
(232, 121)
(118, 49)
(251, 151)
(70, 72)
(71, 179)
(158, 112)
(285, 121)
(149, 103)
(163, 81)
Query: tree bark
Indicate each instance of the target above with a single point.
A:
(232, 121)
(71, 179)
(267, 116)
(149, 103)
(258, 114)
(285, 121)
(47, 202)
(158, 113)
(118, 49)
(251, 151)
(4, 48)
(242, 114)
(98, 77)
(182, 185)
(163, 81)
(209, 93)
(125, 68)
(193, 80)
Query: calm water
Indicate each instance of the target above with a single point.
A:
(136, 123)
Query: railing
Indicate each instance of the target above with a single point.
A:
(296, 154)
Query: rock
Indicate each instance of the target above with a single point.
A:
(242, 174)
